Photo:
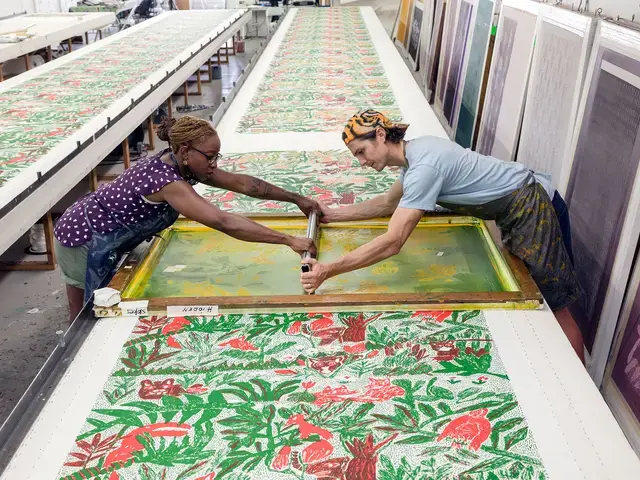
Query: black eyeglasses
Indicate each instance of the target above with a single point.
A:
(212, 159)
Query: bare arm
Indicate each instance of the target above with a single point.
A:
(256, 188)
(403, 222)
(182, 197)
(381, 206)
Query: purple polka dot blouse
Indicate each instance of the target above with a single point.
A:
(119, 202)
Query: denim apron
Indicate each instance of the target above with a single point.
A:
(105, 249)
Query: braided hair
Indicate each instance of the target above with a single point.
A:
(186, 129)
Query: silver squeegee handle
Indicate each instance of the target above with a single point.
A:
(312, 232)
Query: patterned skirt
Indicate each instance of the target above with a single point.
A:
(531, 231)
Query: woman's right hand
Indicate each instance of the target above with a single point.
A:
(302, 244)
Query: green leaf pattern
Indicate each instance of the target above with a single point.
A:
(306, 402)
(306, 89)
(40, 113)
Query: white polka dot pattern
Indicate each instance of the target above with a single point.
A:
(115, 203)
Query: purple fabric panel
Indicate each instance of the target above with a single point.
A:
(626, 370)
(602, 176)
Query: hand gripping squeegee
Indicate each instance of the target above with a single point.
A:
(312, 232)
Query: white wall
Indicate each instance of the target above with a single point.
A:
(11, 7)
(613, 8)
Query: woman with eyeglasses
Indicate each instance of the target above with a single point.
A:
(148, 197)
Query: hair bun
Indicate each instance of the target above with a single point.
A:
(164, 128)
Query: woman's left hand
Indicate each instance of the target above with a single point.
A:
(307, 206)
(312, 279)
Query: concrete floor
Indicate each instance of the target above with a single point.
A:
(33, 305)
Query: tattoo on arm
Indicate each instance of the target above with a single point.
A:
(261, 189)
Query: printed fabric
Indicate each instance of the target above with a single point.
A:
(322, 396)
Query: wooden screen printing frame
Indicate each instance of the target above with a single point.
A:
(450, 17)
(527, 295)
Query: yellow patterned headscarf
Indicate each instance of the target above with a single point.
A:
(366, 122)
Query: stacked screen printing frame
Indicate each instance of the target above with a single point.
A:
(560, 59)
(450, 14)
(603, 192)
(476, 73)
(507, 86)
(429, 75)
(461, 18)
(428, 17)
(27, 195)
(575, 433)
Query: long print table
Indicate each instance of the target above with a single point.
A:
(46, 29)
(57, 122)
(347, 395)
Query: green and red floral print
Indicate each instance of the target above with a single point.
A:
(40, 113)
(343, 396)
(326, 70)
(332, 176)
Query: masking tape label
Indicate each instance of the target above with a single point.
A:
(179, 311)
(134, 309)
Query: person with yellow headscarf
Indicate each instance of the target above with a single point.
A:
(435, 170)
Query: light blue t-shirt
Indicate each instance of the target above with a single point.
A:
(441, 170)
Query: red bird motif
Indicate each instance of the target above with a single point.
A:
(473, 428)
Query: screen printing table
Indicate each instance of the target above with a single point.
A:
(48, 29)
(57, 132)
(575, 433)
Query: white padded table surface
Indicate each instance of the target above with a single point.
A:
(48, 29)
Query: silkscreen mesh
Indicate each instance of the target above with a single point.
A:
(602, 176)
